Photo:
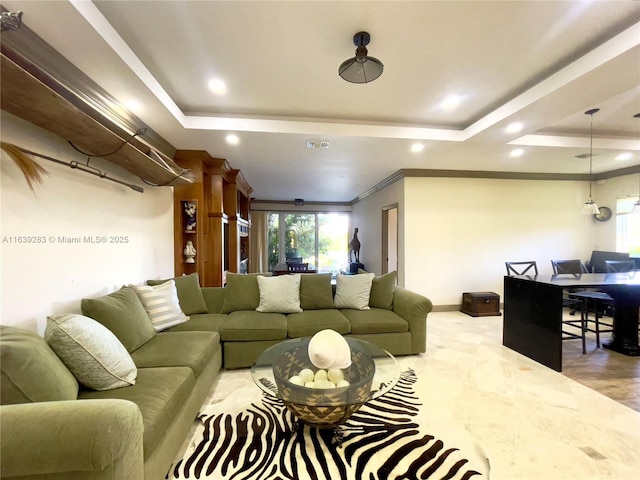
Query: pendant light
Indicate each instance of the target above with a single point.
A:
(590, 206)
(361, 68)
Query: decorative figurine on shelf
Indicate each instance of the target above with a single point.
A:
(354, 246)
(190, 211)
(190, 252)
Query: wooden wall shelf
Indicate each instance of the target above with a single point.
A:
(41, 86)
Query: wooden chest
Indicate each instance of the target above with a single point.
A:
(481, 304)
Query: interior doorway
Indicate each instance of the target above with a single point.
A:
(390, 238)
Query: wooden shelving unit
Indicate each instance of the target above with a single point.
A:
(221, 236)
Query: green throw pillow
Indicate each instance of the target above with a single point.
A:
(123, 314)
(189, 293)
(316, 292)
(31, 371)
(241, 292)
(382, 289)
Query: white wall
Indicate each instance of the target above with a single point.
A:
(40, 279)
(456, 233)
(367, 216)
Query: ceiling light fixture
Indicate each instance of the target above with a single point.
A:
(361, 68)
(516, 152)
(625, 156)
(451, 102)
(232, 139)
(217, 86)
(590, 206)
(417, 147)
(514, 127)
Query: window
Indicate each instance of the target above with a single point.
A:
(319, 239)
(628, 226)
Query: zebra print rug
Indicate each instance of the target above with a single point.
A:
(383, 440)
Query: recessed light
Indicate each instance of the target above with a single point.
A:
(417, 147)
(232, 139)
(133, 105)
(516, 152)
(451, 102)
(514, 127)
(625, 156)
(217, 86)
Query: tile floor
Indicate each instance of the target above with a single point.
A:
(532, 422)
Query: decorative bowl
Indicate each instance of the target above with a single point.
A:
(324, 407)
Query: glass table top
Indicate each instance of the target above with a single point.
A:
(387, 370)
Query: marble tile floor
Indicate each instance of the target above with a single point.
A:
(533, 423)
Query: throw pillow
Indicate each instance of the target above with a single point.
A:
(30, 371)
(316, 292)
(352, 291)
(93, 354)
(382, 289)
(241, 292)
(189, 293)
(279, 294)
(161, 304)
(123, 314)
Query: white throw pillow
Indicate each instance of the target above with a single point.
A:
(279, 294)
(353, 291)
(161, 303)
(90, 351)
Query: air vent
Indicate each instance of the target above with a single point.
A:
(317, 143)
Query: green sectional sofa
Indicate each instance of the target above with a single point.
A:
(108, 396)
(396, 319)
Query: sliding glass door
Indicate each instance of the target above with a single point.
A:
(319, 239)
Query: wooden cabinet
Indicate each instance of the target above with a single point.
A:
(220, 233)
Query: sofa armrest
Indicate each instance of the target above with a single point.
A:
(214, 298)
(89, 439)
(414, 308)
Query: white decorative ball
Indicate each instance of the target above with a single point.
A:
(342, 383)
(320, 375)
(296, 380)
(335, 375)
(323, 384)
(310, 385)
(306, 375)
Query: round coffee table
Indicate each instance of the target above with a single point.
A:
(324, 408)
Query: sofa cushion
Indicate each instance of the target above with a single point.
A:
(202, 322)
(241, 292)
(159, 393)
(178, 349)
(316, 292)
(279, 294)
(376, 320)
(161, 304)
(310, 322)
(382, 291)
(123, 314)
(189, 293)
(353, 291)
(249, 325)
(90, 351)
(31, 371)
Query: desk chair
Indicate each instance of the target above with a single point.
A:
(298, 267)
(620, 266)
(589, 299)
(573, 267)
(521, 268)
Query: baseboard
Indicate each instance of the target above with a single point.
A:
(452, 308)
